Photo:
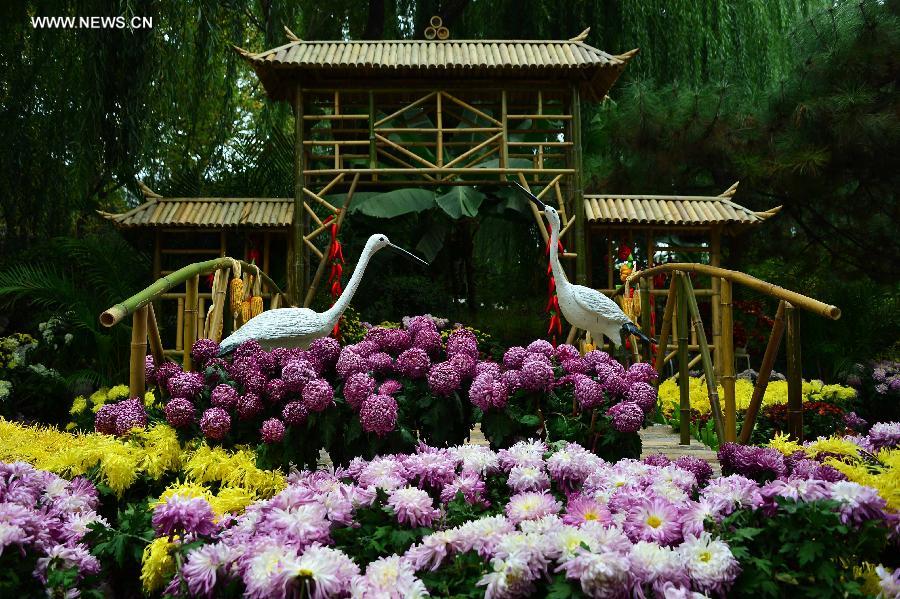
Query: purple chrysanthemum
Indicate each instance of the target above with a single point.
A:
(296, 373)
(181, 515)
(294, 413)
(428, 341)
(275, 391)
(130, 414)
(180, 412)
(488, 391)
(215, 423)
(536, 375)
(698, 467)
(759, 463)
(272, 430)
(462, 341)
(540, 346)
(185, 384)
(105, 419)
(203, 350)
(150, 370)
(885, 435)
(588, 392)
(224, 396)
(255, 382)
(419, 323)
(653, 519)
(512, 379)
(643, 394)
(586, 509)
(165, 371)
(378, 414)
(513, 357)
(380, 362)
(413, 363)
(390, 386)
(575, 366)
(248, 348)
(566, 351)
(325, 351)
(248, 406)
(464, 364)
(397, 341)
(318, 395)
(615, 385)
(487, 366)
(443, 379)
(627, 417)
(350, 362)
(641, 372)
(657, 459)
(357, 388)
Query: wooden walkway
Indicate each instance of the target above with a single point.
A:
(660, 438)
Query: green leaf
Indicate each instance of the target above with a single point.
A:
(461, 201)
(433, 240)
(393, 203)
(530, 420)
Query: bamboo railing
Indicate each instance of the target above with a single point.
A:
(681, 301)
(145, 328)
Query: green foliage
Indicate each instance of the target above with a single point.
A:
(803, 549)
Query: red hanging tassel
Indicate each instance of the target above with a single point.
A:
(336, 256)
(552, 308)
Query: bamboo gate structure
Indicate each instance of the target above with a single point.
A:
(681, 309)
(195, 325)
(381, 115)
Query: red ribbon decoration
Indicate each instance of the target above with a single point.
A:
(555, 327)
(336, 257)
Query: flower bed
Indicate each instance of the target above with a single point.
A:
(556, 392)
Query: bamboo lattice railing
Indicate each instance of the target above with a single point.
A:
(681, 303)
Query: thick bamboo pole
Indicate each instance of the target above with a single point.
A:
(794, 374)
(683, 375)
(150, 293)
(666, 328)
(706, 357)
(296, 265)
(136, 381)
(646, 351)
(190, 319)
(715, 258)
(796, 299)
(765, 371)
(725, 354)
(156, 346)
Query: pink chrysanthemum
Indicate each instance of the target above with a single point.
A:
(536, 375)
(586, 509)
(181, 515)
(531, 506)
(528, 478)
(150, 370)
(513, 357)
(428, 341)
(350, 362)
(105, 419)
(413, 363)
(325, 351)
(275, 391)
(588, 392)
(462, 341)
(653, 519)
(413, 507)
(390, 387)
(566, 351)
(488, 392)
(540, 346)
(380, 362)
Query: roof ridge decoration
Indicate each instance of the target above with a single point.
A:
(147, 192)
(581, 36)
(291, 35)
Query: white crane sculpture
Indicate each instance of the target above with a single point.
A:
(298, 327)
(583, 307)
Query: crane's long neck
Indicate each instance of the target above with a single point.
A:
(558, 273)
(333, 313)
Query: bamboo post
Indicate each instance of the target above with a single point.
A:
(711, 385)
(715, 258)
(683, 381)
(794, 374)
(296, 266)
(504, 148)
(136, 380)
(645, 319)
(577, 190)
(765, 371)
(190, 319)
(440, 130)
(725, 353)
(156, 346)
(179, 325)
(666, 328)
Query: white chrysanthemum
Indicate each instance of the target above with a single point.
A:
(329, 570)
(549, 524)
(481, 535)
(847, 492)
(709, 563)
(600, 574)
(305, 523)
(528, 478)
(476, 458)
(388, 578)
(268, 572)
(652, 562)
(523, 453)
(668, 490)
(509, 578)
(570, 539)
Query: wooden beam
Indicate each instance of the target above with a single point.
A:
(342, 213)
(156, 346)
(715, 259)
(404, 151)
(469, 152)
(725, 354)
(295, 271)
(684, 389)
(471, 108)
(441, 171)
(319, 199)
(504, 149)
(577, 190)
(191, 303)
(765, 371)
(397, 113)
(666, 328)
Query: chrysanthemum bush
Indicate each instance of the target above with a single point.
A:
(561, 395)
(827, 409)
(528, 521)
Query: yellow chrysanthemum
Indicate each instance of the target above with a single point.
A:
(232, 500)
(70, 426)
(185, 489)
(161, 451)
(149, 399)
(832, 445)
(157, 564)
(784, 444)
(79, 405)
(98, 399)
(119, 470)
(118, 392)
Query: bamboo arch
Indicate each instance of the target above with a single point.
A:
(682, 300)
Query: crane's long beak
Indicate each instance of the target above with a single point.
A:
(530, 195)
(408, 254)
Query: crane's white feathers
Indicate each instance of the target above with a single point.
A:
(590, 310)
(282, 327)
